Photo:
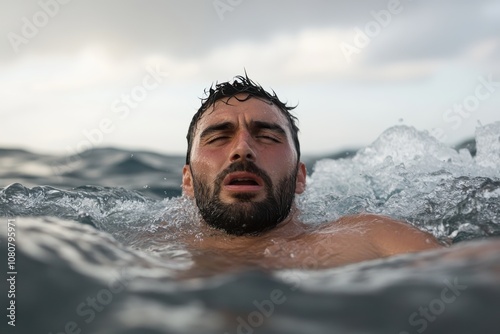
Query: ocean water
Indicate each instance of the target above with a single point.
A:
(98, 246)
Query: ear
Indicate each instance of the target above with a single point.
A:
(300, 183)
(187, 181)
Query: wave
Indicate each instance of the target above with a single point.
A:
(106, 258)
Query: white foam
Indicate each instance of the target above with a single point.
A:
(409, 175)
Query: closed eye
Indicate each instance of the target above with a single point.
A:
(268, 138)
(268, 132)
(217, 139)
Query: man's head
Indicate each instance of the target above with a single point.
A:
(242, 164)
(246, 89)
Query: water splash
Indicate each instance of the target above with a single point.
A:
(410, 175)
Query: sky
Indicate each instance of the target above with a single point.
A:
(80, 74)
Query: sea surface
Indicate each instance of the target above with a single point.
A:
(97, 245)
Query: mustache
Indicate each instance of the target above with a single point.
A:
(244, 166)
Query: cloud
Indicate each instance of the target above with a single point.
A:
(92, 52)
(438, 30)
(310, 55)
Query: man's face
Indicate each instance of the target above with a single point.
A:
(243, 171)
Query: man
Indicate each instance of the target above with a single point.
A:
(243, 170)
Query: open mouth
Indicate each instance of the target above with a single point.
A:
(243, 181)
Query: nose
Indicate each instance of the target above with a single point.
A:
(243, 148)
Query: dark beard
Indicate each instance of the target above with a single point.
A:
(245, 216)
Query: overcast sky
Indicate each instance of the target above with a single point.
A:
(129, 73)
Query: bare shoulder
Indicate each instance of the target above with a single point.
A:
(387, 235)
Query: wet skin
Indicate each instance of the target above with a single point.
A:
(257, 131)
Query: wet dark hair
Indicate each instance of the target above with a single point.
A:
(241, 85)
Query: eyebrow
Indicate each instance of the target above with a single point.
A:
(254, 125)
(268, 126)
(224, 126)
